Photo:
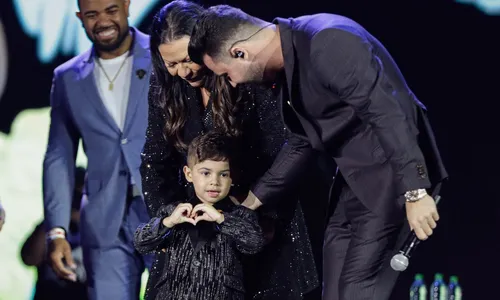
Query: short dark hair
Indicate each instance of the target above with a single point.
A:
(214, 145)
(217, 28)
(80, 182)
(78, 4)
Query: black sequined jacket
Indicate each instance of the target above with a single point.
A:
(285, 269)
(202, 262)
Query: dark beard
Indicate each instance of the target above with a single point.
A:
(111, 47)
(256, 74)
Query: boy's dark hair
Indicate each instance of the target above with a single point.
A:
(214, 145)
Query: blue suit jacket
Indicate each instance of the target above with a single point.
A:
(113, 156)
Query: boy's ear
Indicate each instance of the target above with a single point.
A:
(188, 174)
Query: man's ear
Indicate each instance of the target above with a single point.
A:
(239, 53)
(188, 174)
(79, 15)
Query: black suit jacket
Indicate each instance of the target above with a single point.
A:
(353, 102)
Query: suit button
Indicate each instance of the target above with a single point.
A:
(124, 141)
(196, 263)
(421, 171)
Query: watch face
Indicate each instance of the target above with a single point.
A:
(411, 195)
(415, 195)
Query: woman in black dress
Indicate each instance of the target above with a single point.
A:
(186, 100)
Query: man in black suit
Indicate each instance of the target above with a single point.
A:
(353, 103)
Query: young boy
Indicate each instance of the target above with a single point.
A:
(202, 238)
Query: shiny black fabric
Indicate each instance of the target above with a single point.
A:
(202, 262)
(285, 269)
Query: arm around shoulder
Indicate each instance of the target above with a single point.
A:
(285, 171)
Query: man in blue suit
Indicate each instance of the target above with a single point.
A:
(100, 97)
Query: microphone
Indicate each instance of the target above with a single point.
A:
(400, 261)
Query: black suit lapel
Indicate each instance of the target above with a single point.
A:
(293, 81)
(204, 231)
(200, 234)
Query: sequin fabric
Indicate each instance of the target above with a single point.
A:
(285, 269)
(161, 163)
(208, 118)
(208, 268)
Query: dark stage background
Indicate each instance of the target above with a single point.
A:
(449, 54)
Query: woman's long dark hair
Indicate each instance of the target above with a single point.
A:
(175, 21)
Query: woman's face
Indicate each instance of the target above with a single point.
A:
(176, 59)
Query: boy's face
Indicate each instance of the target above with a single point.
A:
(211, 180)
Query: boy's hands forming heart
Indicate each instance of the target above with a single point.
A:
(181, 214)
(206, 212)
(185, 212)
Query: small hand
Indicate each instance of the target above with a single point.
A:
(422, 216)
(206, 212)
(60, 249)
(181, 214)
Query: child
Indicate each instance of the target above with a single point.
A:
(202, 238)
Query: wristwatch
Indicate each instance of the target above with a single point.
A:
(56, 233)
(415, 195)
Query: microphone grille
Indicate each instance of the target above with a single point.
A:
(399, 262)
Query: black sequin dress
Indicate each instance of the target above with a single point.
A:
(285, 269)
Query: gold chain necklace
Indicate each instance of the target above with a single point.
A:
(111, 82)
